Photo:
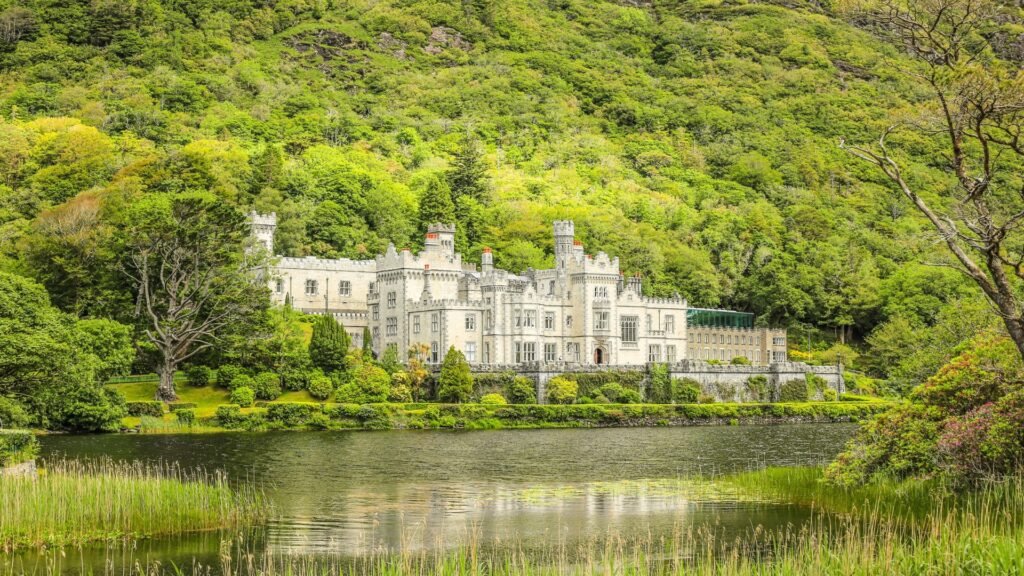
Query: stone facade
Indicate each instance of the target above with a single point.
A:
(582, 312)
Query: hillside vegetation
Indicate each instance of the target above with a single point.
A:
(696, 140)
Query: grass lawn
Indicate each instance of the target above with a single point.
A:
(206, 398)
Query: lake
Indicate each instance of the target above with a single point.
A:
(354, 493)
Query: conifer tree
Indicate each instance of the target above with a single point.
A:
(436, 204)
(368, 344)
(467, 179)
(455, 384)
(329, 344)
(467, 176)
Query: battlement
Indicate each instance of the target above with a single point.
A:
(337, 265)
(564, 228)
(257, 219)
(439, 228)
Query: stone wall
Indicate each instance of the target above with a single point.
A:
(712, 378)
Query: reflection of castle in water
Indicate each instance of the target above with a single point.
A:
(419, 517)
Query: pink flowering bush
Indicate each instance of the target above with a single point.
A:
(966, 423)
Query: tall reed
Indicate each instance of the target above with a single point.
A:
(72, 502)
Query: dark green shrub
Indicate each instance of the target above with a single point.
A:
(630, 397)
(295, 380)
(267, 386)
(320, 386)
(17, 446)
(612, 391)
(241, 381)
(291, 414)
(12, 414)
(199, 376)
(522, 390)
(230, 416)
(793, 391)
(227, 373)
(146, 408)
(243, 396)
(186, 416)
(740, 361)
(685, 390)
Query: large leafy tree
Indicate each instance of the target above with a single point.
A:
(43, 365)
(186, 255)
(975, 119)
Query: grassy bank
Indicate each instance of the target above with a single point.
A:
(72, 503)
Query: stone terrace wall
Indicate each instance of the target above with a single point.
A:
(710, 376)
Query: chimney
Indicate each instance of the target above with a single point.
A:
(486, 261)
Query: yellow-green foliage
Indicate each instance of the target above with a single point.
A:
(74, 502)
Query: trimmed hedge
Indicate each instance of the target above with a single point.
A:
(17, 446)
(176, 406)
(306, 415)
(153, 408)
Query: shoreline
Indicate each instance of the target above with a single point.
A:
(306, 416)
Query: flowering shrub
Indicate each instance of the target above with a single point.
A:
(967, 423)
(988, 369)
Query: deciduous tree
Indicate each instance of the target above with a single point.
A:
(186, 257)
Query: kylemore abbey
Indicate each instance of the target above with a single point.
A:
(582, 312)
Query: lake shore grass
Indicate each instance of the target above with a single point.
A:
(73, 502)
(888, 528)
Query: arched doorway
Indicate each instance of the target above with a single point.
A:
(599, 356)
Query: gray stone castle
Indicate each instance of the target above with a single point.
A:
(582, 313)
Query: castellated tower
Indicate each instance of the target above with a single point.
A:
(263, 227)
(564, 233)
(441, 237)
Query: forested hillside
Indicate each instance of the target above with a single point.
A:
(697, 140)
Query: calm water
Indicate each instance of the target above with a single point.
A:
(353, 492)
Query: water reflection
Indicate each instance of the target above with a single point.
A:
(354, 493)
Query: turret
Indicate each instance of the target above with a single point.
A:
(565, 231)
(263, 227)
(441, 238)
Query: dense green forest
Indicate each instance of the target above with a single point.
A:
(696, 139)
